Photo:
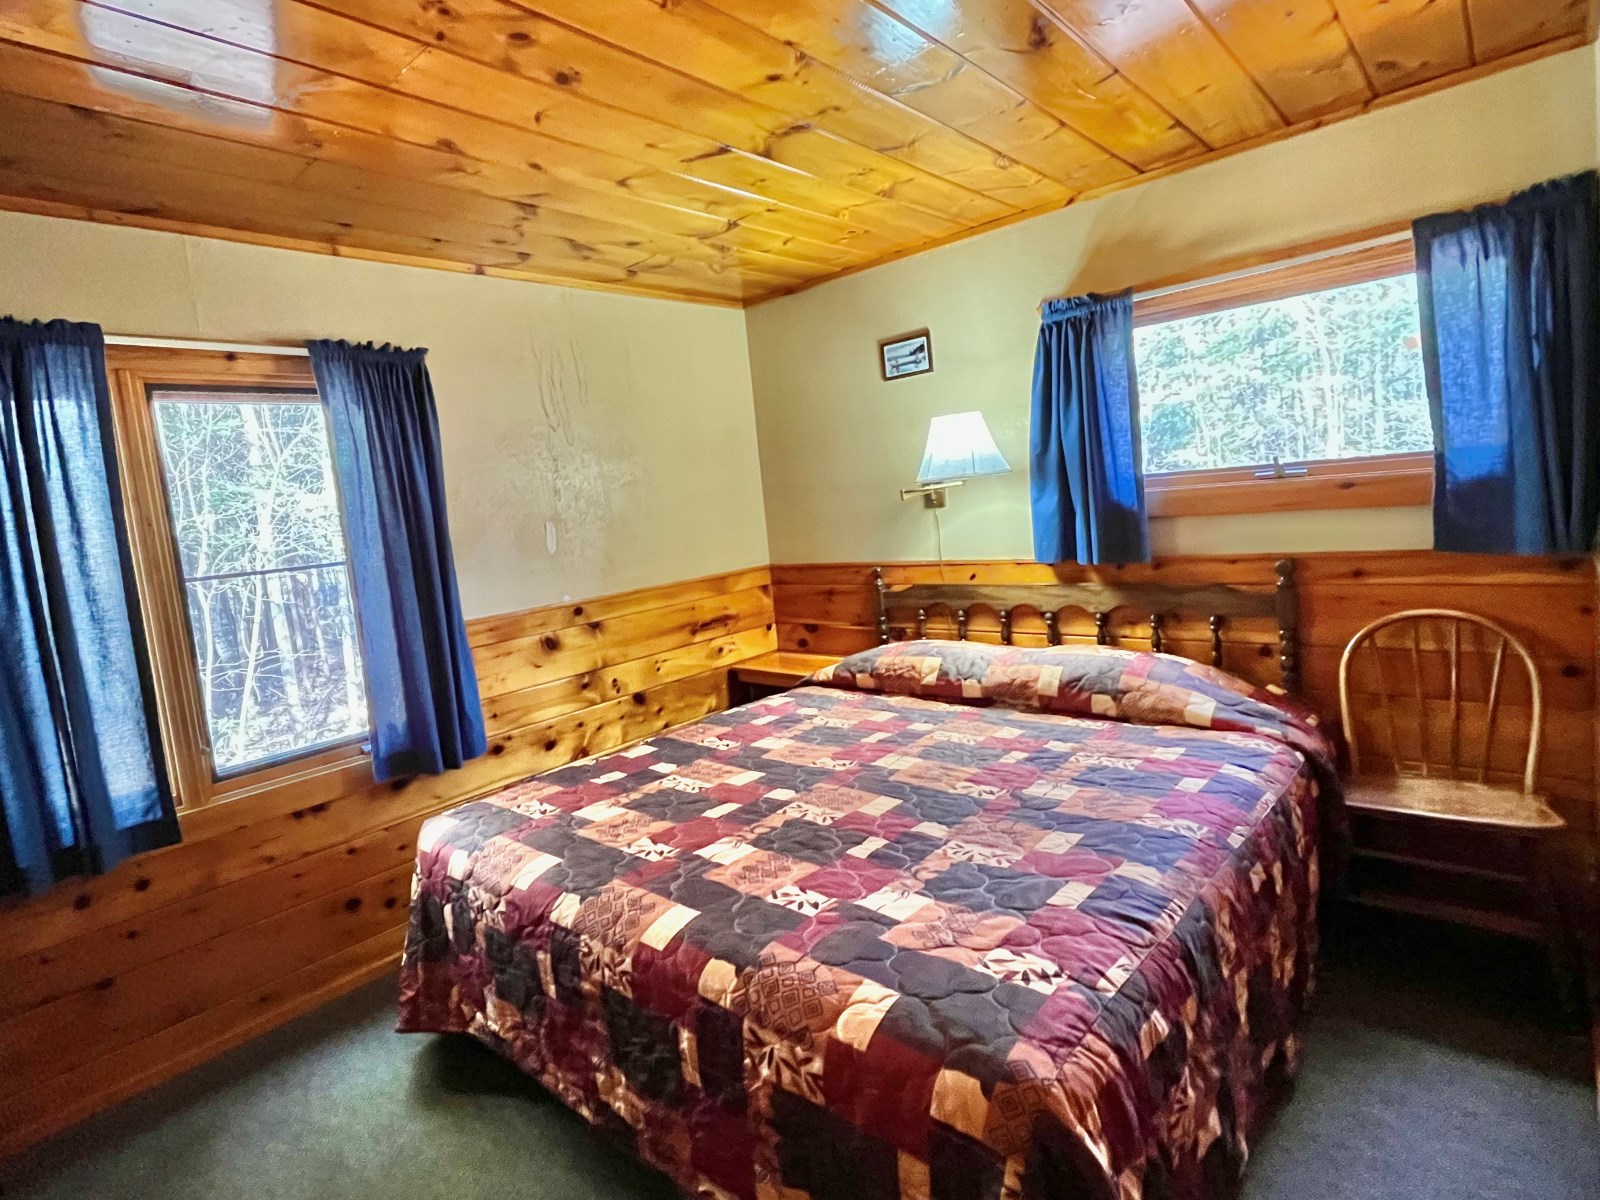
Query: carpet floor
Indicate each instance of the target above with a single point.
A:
(1435, 1067)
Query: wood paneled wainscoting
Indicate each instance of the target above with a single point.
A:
(1551, 603)
(266, 910)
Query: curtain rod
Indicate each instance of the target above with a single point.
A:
(156, 343)
(1387, 239)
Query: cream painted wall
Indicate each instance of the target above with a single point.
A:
(837, 442)
(625, 421)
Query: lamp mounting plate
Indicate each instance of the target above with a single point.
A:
(933, 494)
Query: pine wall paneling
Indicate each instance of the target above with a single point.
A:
(110, 985)
(1551, 603)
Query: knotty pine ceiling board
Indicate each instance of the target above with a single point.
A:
(721, 151)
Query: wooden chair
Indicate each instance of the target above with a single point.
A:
(1422, 696)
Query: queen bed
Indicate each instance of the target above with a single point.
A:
(951, 920)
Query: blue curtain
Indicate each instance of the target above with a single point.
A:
(1510, 301)
(81, 778)
(421, 685)
(1087, 474)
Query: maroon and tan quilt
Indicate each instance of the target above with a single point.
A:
(849, 943)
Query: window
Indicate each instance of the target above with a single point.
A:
(240, 552)
(255, 518)
(1298, 387)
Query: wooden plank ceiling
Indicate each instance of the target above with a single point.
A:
(714, 150)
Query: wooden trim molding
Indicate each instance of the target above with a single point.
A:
(1305, 269)
(132, 371)
(1382, 481)
(1375, 481)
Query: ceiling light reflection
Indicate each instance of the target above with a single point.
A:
(212, 57)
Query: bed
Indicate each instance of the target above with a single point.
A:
(954, 919)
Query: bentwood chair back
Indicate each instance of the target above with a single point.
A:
(1424, 694)
(1443, 712)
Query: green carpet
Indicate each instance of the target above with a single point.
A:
(1434, 1069)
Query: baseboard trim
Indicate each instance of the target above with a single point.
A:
(353, 967)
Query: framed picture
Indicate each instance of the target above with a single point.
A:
(908, 354)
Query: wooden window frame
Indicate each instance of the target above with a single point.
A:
(133, 372)
(1378, 481)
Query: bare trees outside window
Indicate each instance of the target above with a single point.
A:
(1331, 374)
(260, 545)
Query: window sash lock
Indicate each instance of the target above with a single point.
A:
(1278, 471)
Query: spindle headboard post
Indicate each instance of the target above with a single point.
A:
(883, 604)
(1219, 606)
(1288, 612)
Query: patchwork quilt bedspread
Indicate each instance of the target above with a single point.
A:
(843, 944)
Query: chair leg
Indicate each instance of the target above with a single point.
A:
(1542, 886)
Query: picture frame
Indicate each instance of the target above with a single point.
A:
(905, 355)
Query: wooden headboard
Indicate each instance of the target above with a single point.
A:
(1219, 606)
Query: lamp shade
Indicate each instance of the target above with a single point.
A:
(959, 447)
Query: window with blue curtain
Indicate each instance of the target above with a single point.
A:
(82, 779)
(1086, 467)
(422, 688)
(1510, 302)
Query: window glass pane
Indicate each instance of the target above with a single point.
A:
(255, 516)
(1333, 374)
(249, 482)
(279, 670)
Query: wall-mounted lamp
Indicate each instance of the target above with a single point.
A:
(960, 446)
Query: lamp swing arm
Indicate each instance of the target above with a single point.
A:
(959, 448)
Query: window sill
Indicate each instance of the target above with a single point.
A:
(295, 785)
(1387, 481)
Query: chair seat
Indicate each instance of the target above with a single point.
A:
(1452, 800)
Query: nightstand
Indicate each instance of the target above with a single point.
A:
(770, 673)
